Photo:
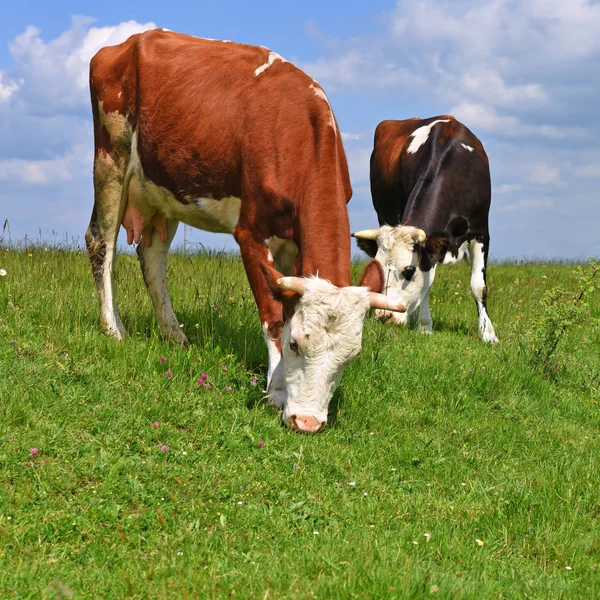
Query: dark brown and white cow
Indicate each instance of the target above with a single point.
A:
(430, 182)
(232, 138)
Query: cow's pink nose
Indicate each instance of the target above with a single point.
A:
(307, 424)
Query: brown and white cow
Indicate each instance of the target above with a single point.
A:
(430, 182)
(232, 138)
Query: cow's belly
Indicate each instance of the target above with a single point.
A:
(149, 206)
(218, 216)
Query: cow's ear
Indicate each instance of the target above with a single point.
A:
(287, 297)
(435, 247)
(373, 277)
(367, 246)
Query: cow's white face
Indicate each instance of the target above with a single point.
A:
(405, 281)
(317, 343)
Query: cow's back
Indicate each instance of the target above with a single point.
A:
(210, 114)
(425, 171)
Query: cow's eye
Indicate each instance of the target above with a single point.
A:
(294, 346)
(408, 273)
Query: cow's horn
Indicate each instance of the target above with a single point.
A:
(384, 303)
(366, 234)
(418, 236)
(294, 284)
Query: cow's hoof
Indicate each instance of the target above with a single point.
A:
(489, 337)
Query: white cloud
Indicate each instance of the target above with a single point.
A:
(45, 124)
(543, 173)
(7, 89)
(43, 172)
(55, 73)
(507, 187)
(486, 118)
(526, 205)
(361, 69)
(488, 86)
(347, 136)
(483, 117)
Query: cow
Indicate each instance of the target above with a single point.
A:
(430, 184)
(232, 138)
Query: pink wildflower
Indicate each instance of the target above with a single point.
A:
(253, 382)
(202, 378)
(168, 374)
(164, 448)
(228, 388)
(33, 452)
(155, 425)
(163, 359)
(261, 444)
(210, 403)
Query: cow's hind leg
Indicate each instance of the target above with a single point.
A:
(478, 251)
(101, 235)
(153, 261)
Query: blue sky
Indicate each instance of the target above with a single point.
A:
(522, 74)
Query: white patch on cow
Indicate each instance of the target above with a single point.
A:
(486, 329)
(327, 329)
(450, 259)
(276, 389)
(419, 136)
(321, 94)
(119, 94)
(273, 56)
(165, 29)
(283, 253)
(114, 122)
(218, 216)
(395, 252)
(469, 148)
(224, 212)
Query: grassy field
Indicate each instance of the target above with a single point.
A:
(449, 469)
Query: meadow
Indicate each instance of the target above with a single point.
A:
(449, 468)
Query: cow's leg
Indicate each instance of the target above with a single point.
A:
(425, 322)
(101, 235)
(478, 252)
(270, 311)
(153, 261)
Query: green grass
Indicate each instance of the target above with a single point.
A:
(430, 434)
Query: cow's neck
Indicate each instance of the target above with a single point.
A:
(325, 245)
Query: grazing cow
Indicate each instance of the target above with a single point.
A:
(232, 138)
(430, 182)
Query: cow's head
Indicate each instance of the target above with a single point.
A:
(321, 336)
(408, 257)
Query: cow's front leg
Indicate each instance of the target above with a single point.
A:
(425, 322)
(270, 311)
(152, 253)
